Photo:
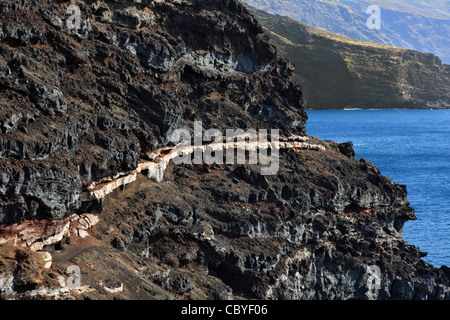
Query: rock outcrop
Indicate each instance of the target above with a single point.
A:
(86, 108)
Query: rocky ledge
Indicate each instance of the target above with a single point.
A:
(86, 108)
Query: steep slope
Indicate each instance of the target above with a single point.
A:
(339, 72)
(86, 112)
(81, 107)
(419, 25)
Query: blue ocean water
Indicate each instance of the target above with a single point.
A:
(412, 147)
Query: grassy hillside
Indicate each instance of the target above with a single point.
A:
(338, 72)
(414, 24)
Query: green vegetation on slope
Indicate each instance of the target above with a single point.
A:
(414, 24)
(338, 72)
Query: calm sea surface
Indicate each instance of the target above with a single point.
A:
(412, 147)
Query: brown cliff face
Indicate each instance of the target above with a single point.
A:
(339, 72)
(77, 107)
(84, 109)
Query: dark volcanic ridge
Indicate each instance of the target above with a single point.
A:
(87, 106)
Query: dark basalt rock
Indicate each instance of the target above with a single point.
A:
(98, 97)
(346, 149)
(79, 106)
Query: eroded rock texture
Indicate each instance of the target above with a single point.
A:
(79, 106)
(84, 106)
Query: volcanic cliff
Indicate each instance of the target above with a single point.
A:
(87, 112)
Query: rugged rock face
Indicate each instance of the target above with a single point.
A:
(87, 107)
(339, 72)
(77, 107)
